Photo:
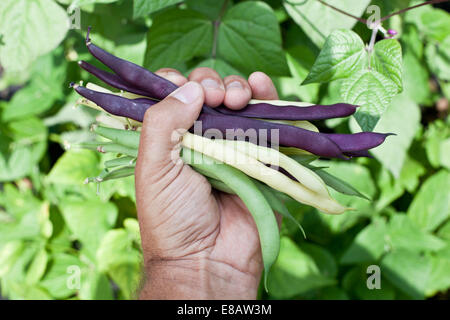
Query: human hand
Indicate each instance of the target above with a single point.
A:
(198, 243)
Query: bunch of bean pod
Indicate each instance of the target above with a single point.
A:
(263, 178)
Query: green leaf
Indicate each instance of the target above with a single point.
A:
(95, 286)
(408, 271)
(89, 221)
(445, 87)
(412, 41)
(15, 278)
(300, 60)
(223, 68)
(273, 197)
(437, 133)
(31, 133)
(390, 189)
(60, 272)
(116, 248)
(9, 253)
(342, 55)
(22, 291)
(332, 293)
(127, 276)
(323, 258)
(24, 143)
(295, 272)
(209, 8)
(125, 40)
(360, 178)
(355, 283)
(117, 256)
(370, 90)
(73, 168)
(22, 219)
(444, 231)
(368, 245)
(439, 279)
(304, 159)
(404, 234)
(318, 21)
(415, 79)
(289, 88)
(411, 172)
(250, 39)
(387, 60)
(435, 24)
(355, 174)
(177, 36)
(144, 7)
(37, 267)
(339, 185)
(30, 29)
(438, 57)
(47, 76)
(131, 225)
(431, 206)
(445, 153)
(332, 96)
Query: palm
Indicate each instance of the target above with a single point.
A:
(214, 225)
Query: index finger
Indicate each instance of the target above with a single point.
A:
(262, 86)
(172, 75)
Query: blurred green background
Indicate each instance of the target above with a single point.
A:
(60, 239)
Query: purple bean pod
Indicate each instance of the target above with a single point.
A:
(136, 76)
(358, 141)
(289, 136)
(110, 78)
(269, 111)
(115, 105)
(155, 86)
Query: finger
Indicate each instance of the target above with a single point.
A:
(211, 83)
(262, 86)
(164, 124)
(237, 92)
(172, 75)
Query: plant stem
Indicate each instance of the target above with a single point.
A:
(384, 18)
(410, 8)
(372, 40)
(343, 12)
(216, 24)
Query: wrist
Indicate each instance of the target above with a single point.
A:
(197, 278)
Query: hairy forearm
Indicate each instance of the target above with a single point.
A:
(193, 280)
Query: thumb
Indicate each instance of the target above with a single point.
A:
(163, 125)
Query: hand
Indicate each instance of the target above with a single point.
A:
(198, 243)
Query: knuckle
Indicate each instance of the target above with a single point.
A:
(167, 70)
(203, 72)
(152, 116)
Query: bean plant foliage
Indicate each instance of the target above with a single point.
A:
(62, 239)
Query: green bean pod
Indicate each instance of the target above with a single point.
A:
(119, 162)
(117, 148)
(277, 205)
(126, 138)
(119, 173)
(219, 185)
(254, 200)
